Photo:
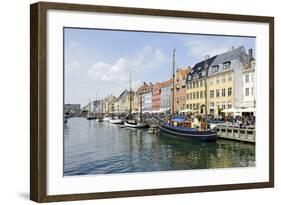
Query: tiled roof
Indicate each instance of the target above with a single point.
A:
(199, 67)
(237, 53)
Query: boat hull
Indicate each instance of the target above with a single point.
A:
(119, 121)
(204, 136)
(99, 120)
(136, 125)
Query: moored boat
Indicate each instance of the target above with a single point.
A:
(135, 124)
(106, 119)
(116, 121)
(209, 135)
(99, 119)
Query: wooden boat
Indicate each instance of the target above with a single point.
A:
(180, 127)
(99, 119)
(135, 124)
(106, 119)
(209, 135)
(131, 121)
(116, 121)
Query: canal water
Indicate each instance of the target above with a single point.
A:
(92, 147)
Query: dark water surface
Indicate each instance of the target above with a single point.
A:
(92, 147)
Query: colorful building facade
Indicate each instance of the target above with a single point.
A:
(196, 86)
(180, 89)
(225, 80)
(166, 95)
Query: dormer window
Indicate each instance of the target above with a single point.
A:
(203, 73)
(215, 69)
(189, 77)
(226, 65)
(199, 68)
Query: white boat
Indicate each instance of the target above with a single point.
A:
(116, 121)
(135, 124)
(99, 119)
(106, 119)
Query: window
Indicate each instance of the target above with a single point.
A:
(217, 93)
(190, 85)
(187, 96)
(252, 77)
(229, 91)
(247, 91)
(211, 82)
(223, 92)
(187, 87)
(223, 79)
(226, 65)
(193, 84)
(252, 90)
(212, 104)
(197, 84)
(197, 94)
(203, 73)
(229, 77)
(215, 69)
(187, 106)
(189, 77)
(201, 94)
(190, 96)
(223, 105)
(247, 78)
(201, 83)
(194, 95)
(218, 80)
(211, 93)
(229, 105)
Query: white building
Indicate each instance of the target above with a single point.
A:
(249, 83)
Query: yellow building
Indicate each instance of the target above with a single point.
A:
(196, 86)
(225, 81)
(129, 100)
(220, 92)
(111, 100)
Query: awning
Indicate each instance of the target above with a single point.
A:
(249, 109)
(186, 110)
(232, 110)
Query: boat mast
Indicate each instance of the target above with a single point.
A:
(89, 108)
(130, 94)
(141, 106)
(173, 98)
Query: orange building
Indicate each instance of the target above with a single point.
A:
(156, 96)
(180, 89)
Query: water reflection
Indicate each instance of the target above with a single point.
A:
(92, 147)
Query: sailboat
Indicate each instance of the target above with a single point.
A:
(133, 122)
(99, 117)
(89, 116)
(115, 119)
(179, 126)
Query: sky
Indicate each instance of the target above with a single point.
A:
(97, 63)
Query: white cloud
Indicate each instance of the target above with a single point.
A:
(146, 58)
(200, 48)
